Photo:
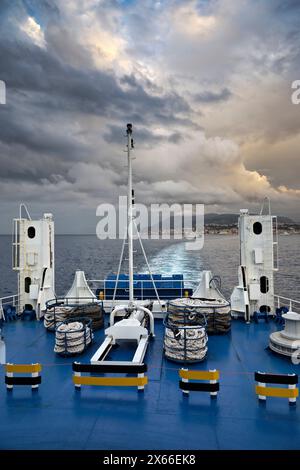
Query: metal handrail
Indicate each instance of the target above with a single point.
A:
(69, 301)
(13, 299)
(291, 302)
(9, 299)
(182, 285)
(186, 283)
(146, 280)
(143, 281)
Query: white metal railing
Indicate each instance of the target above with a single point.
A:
(101, 284)
(8, 300)
(281, 301)
(16, 245)
(275, 243)
(180, 285)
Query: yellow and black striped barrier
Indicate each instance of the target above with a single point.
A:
(34, 379)
(291, 392)
(211, 385)
(108, 367)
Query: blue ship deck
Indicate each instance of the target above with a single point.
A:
(59, 417)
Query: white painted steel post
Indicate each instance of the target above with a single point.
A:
(141, 387)
(213, 394)
(292, 387)
(9, 374)
(186, 392)
(34, 374)
(77, 374)
(260, 384)
(130, 215)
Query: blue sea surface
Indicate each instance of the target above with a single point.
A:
(97, 258)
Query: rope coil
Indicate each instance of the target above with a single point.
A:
(216, 311)
(58, 314)
(191, 345)
(73, 337)
(185, 337)
(54, 316)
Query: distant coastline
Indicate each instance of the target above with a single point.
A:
(283, 229)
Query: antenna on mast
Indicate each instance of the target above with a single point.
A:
(130, 146)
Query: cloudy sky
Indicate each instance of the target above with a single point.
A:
(206, 84)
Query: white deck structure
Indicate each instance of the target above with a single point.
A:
(258, 261)
(33, 258)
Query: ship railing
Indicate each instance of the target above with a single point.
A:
(70, 301)
(291, 304)
(143, 285)
(8, 300)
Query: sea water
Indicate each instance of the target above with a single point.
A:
(98, 258)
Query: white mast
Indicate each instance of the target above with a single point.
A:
(131, 222)
(132, 327)
(130, 214)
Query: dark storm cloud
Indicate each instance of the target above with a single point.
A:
(31, 147)
(41, 9)
(24, 66)
(133, 82)
(175, 138)
(287, 5)
(142, 136)
(213, 97)
(77, 71)
(16, 130)
(30, 68)
(46, 93)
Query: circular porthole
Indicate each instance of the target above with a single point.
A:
(257, 228)
(264, 309)
(31, 232)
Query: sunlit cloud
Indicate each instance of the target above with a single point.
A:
(188, 21)
(33, 31)
(206, 84)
